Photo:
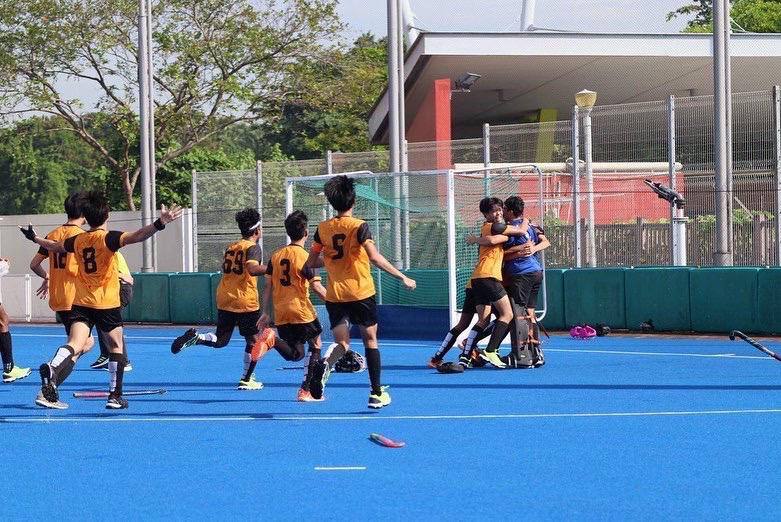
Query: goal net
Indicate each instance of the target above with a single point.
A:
(420, 221)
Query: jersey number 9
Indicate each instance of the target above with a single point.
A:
(233, 263)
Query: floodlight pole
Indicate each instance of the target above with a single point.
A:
(151, 123)
(393, 85)
(777, 136)
(721, 254)
(486, 159)
(143, 106)
(576, 184)
(591, 247)
(527, 14)
(671, 172)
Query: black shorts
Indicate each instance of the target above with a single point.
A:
(65, 318)
(294, 334)
(524, 288)
(487, 290)
(469, 307)
(246, 321)
(105, 320)
(361, 313)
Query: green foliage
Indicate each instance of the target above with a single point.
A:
(217, 63)
(754, 16)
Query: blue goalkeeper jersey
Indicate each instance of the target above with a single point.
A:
(522, 265)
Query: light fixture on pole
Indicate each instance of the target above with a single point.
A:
(585, 101)
(466, 82)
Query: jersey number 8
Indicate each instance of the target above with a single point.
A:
(88, 255)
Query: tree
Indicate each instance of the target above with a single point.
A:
(217, 63)
(332, 113)
(754, 16)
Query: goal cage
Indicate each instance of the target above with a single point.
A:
(420, 220)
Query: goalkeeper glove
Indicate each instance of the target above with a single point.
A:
(28, 232)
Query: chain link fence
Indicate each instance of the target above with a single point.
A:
(668, 142)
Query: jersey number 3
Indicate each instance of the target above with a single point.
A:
(285, 279)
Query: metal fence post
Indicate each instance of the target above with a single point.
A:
(576, 183)
(259, 199)
(591, 247)
(194, 206)
(777, 124)
(671, 167)
(486, 158)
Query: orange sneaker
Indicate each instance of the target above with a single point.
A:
(305, 396)
(263, 343)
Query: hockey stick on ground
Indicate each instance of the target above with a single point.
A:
(98, 394)
(755, 344)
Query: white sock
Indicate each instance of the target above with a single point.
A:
(470, 339)
(210, 336)
(112, 370)
(330, 349)
(61, 354)
(447, 340)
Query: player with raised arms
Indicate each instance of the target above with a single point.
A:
(96, 302)
(237, 301)
(345, 246)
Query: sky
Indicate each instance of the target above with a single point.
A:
(615, 16)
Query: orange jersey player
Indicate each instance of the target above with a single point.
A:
(345, 247)
(288, 282)
(96, 300)
(237, 300)
(59, 284)
(486, 281)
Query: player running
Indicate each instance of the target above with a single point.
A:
(59, 285)
(96, 301)
(347, 249)
(237, 301)
(288, 281)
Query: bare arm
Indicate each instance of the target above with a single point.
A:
(383, 264)
(318, 288)
(542, 245)
(265, 307)
(256, 269)
(496, 239)
(51, 246)
(517, 230)
(35, 265)
(142, 234)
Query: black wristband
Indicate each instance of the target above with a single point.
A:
(159, 225)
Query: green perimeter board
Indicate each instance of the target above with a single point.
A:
(724, 299)
(660, 294)
(554, 283)
(191, 298)
(150, 303)
(769, 300)
(595, 295)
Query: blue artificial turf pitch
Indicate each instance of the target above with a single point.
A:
(619, 427)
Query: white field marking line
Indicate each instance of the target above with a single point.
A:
(620, 352)
(340, 468)
(406, 345)
(373, 418)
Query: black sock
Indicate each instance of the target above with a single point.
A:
(375, 368)
(103, 342)
(64, 370)
(7, 351)
(116, 368)
(337, 353)
(314, 358)
(497, 336)
(447, 343)
(250, 369)
(488, 331)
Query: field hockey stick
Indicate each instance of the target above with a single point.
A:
(98, 394)
(754, 343)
